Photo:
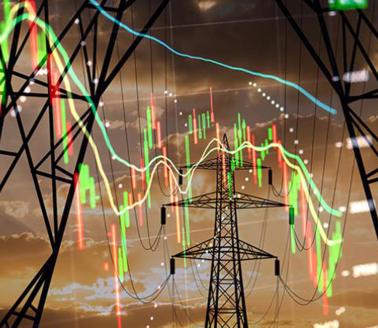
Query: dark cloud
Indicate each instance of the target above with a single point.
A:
(243, 33)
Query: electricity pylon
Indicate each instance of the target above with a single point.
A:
(337, 61)
(226, 306)
(103, 64)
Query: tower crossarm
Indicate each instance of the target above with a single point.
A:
(246, 201)
(212, 164)
(206, 250)
(241, 201)
(208, 200)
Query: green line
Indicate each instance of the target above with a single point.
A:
(187, 156)
(84, 182)
(48, 30)
(199, 125)
(5, 50)
(92, 193)
(126, 205)
(240, 140)
(204, 124)
(190, 123)
(41, 39)
(259, 172)
(263, 152)
(233, 165)
(236, 143)
(291, 216)
(187, 222)
(241, 157)
(270, 134)
(149, 127)
(229, 179)
(146, 162)
(4, 24)
(120, 265)
(123, 239)
(244, 127)
(319, 261)
(334, 257)
(183, 244)
(6, 10)
(292, 238)
(187, 150)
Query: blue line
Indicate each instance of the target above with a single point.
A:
(303, 91)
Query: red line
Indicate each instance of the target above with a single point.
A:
(143, 174)
(69, 139)
(274, 132)
(254, 160)
(152, 104)
(224, 169)
(130, 198)
(171, 191)
(158, 131)
(116, 285)
(130, 203)
(165, 167)
(56, 103)
(178, 221)
(80, 234)
(212, 118)
(133, 178)
(285, 185)
(217, 132)
(249, 140)
(33, 36)
(195, 127)
(279, 156)
(140, 211)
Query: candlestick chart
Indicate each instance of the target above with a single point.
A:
(114, 116)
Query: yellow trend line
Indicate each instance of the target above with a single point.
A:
(162, 160)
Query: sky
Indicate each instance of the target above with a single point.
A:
(248, 34)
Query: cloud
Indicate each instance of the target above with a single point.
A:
(116, 124)
(16, 208)
(373, 118)
(205, 5)
(135, 124)
(135, 315)
(102, 289)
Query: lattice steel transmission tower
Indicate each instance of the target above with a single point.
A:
(226, 305)
(335, 59)
(46, 165)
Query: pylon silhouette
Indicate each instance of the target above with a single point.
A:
(226, 306)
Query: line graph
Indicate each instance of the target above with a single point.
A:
(133, 167)
(161, 160)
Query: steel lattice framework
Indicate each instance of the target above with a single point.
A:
(226, 251)
(29, 306)
(226, 306)
(354, 50)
